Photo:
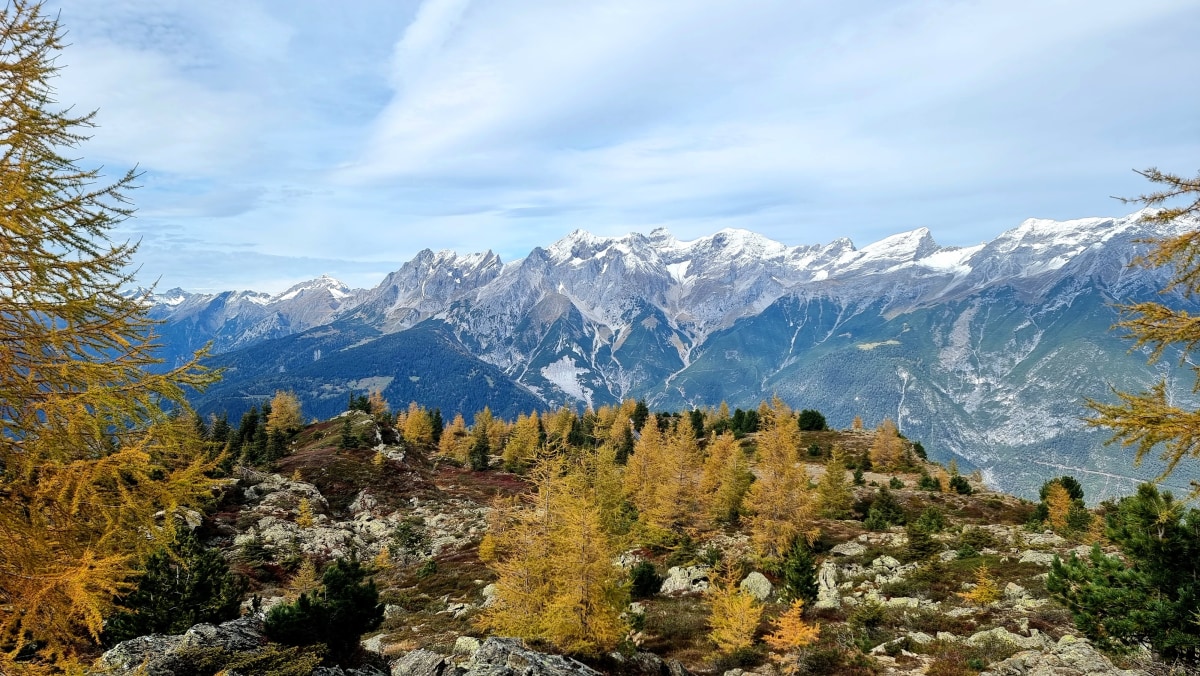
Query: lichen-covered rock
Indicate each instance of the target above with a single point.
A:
(509, 656)
(828, 595)
(423, 662)
(159, 655)
(1039, 558)
(757, 585)
(687, 580)
(1034, 641)
(1069, 657)
(848, 549)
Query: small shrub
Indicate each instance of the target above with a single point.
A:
(959, 484)
(183, 584)
(336, 616)
(644, 580)
(427, 569)
(895, 483)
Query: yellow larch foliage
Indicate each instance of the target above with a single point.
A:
(1058, 505)
(556, 581)
(522, 445)
(780, 505)
(418, 425)
(304, 581)
(643, 468)
(304, 514)
(379, 405)
(456, 441)
(887, 448)
(986, 591)
(558, 426)
(791, 631)
(833, 490)
(857, 424)
(725, 478)
(676, 498)
(89, 455)
(285, 417)
(382, 560)
(733, 615)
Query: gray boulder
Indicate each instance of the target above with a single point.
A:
(1069, 657)
(159, 655)
(687, 580)
(423, 662)
(757, 585)
(510, 657)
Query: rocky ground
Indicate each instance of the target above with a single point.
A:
(881, 609)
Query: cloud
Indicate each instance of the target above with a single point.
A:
(370, 130)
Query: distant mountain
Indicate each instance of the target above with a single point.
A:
(982, 352)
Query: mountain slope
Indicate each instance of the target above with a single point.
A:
(984, 352)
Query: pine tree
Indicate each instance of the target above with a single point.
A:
(88, 453)
(780, 504)
(1150, 594)
(182, 584)
(1151, 419)
(336, 614)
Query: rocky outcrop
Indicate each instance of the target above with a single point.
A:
(160, 655)
(681, 580)
(1069, 657)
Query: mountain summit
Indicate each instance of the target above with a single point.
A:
(983, 352)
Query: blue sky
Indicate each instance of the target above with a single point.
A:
(283, 140)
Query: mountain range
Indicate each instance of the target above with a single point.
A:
(984, 353)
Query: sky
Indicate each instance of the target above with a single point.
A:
(278, 141)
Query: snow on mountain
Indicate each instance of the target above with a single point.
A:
(604, 303)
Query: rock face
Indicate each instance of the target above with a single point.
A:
(828, 595)
(159, 655)
(1069, 657)
(687, 580)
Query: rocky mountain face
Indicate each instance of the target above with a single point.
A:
(985, 352)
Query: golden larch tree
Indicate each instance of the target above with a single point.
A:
(522, 445)
(780, 504)
(725, 478)
(89, 456)
(418, 425)
(644, 467)
(553, 559)
(833, 490)
(1058, 506)
(733, 615)
(1154, 418)
(285, 417)
(456, 441)
(676, 498)
(887, 448)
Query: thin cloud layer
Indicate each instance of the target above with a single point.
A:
(356, 134)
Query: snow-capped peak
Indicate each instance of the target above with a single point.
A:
(335, 288)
